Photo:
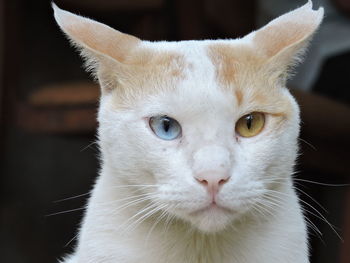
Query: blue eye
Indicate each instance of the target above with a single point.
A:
(165, 127)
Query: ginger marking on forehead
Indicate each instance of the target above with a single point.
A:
(229, 62)
(240, 71)
(161, 66)
(150, 73)
(239, 96)
(224, 62)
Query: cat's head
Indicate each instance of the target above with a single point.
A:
(205, 129)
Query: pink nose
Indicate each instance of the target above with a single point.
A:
(212, 180)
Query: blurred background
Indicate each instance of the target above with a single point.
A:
(48, 108)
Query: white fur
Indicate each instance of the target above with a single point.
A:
(260, 219)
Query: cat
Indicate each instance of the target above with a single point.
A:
(198, 141)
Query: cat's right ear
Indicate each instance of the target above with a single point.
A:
(283, 41)
(100, 45)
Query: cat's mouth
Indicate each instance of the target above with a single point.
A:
(212, 208)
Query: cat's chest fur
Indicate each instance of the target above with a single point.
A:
(198, 142)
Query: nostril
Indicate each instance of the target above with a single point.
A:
(222, 181)
(202, 181)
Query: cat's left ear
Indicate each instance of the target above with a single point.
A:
(102, 47)
(284, 40)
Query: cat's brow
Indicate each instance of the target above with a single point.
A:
(148, 68)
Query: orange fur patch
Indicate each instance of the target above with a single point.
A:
(223, 59)
(240, 71)
(239, 96)
(146, 73)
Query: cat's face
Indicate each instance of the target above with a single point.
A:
(203, 169)
(208, 125)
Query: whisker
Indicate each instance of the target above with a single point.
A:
(275, 202)
(149, 214)
(88, 146)
(169, 219)
(311, 225)
(257, 208)
(307, 220)
(313, 208)
(307, 143)
(70, 198)
(134, 185)
(277, 180)
(272, 204)
(131, 203)
(313, 199)
(321, 217)
(152, 209)
(262, 206)
(126, 199)
(71, 240)
(160, 218)
(319, 183)
(145, 209)
(66, 211)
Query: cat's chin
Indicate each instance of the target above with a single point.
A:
(211, 219)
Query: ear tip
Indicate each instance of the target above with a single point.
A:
(62, 17)
(53, 5)
(309, 5)
(318, 14)
(55, 8)
(315, 16)
(320, 11)
(57, 12)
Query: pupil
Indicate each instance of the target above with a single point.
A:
(249, 120)
(166, 124)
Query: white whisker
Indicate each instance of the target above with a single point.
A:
(318, 214)
(66, 211)
(126, 198)
(320, 183)
(134, 185)
(307, 143)
(131, 203)
(152, 210)
(159, 219)
(313, 199)
(72, 197)
(88, 146)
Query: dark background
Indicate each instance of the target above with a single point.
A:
(47, 117)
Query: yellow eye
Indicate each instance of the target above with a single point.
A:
(251, 124)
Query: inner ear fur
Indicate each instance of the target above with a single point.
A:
(94, 36)
(104, 49)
